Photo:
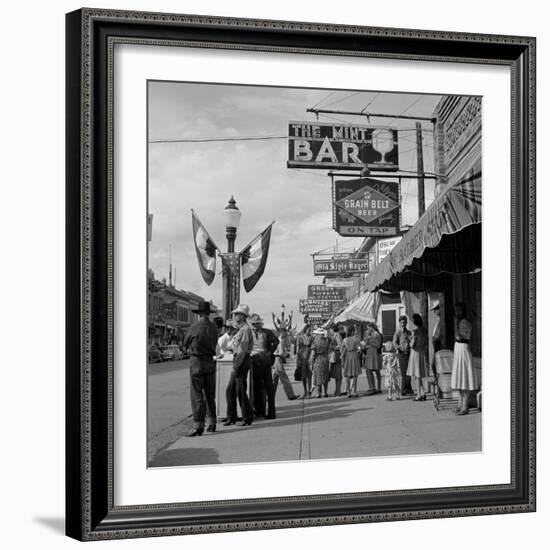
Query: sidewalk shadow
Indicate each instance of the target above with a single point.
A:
(317, 415)
(185, 457)
(314, 402)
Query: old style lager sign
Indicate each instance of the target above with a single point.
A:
(343, 146)
(334, 267)
(365, 207)
(322, 292)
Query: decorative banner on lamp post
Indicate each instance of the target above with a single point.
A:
(365, 207)
(344, 146)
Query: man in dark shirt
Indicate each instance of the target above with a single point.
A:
(201, 341)
(402, 346)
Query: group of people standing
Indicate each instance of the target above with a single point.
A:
(321, 355)
(412, 354)
(254, 348)
(338, 353)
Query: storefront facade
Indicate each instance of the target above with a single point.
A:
(439, 258)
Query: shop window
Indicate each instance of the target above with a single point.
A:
(389, 324)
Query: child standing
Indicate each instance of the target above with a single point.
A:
(392, 378)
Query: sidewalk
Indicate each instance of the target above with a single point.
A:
(333, 427)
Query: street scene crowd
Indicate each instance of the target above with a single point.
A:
(331, 352)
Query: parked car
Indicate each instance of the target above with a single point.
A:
(155, 355)
(172, 353)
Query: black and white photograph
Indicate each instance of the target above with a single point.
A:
(314, 269)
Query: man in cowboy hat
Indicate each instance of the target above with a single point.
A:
(201, 341)
(263, 349)
(236, 388)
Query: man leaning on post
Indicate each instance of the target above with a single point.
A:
(201, 341)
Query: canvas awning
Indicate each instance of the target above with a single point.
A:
(444, 241)
(362, 310)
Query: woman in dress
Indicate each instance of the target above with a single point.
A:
(373, 358)
(319, 361)
(335, 360)
(351, 361)
(303, 352)
(418, 359)
(462, 376)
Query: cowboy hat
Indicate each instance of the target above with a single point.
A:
(243, 309)
(255, 319)
(203, 307)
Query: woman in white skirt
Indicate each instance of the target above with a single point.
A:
(418, 359)
(462, 377)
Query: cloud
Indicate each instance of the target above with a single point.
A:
(203, 176)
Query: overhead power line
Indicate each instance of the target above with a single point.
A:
(207, 140)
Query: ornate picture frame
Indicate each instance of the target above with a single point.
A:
(90, 506)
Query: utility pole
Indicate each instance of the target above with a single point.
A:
(421, 210)
(170, 263)
(420, 170)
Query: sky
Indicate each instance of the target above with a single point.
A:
(204, 175)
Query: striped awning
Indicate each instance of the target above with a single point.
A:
(441, 227)
(362, 310)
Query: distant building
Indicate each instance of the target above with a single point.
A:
(170, 312)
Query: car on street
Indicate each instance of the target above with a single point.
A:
(155, 355)
(172, 353)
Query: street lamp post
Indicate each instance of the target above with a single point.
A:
(252, 257)
(230, 260)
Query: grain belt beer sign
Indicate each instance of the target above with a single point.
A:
(335, 267)
(343, 146)
(365, 207)
(323, 292)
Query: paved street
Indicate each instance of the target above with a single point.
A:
(331, 427)
(168, 402)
